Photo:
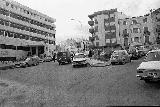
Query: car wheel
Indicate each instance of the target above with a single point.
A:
(69, 61)
(27, 65)
(74, 66)
(123, 62)
(112, 63)
(88, 65)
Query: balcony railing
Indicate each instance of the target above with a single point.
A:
(91, 39)
(125, 35)
(91, 30)
(91, 23)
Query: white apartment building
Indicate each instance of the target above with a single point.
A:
(24, 31)
(155, 14)
(105, 27)
(137, 31)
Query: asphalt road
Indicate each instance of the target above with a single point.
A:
(51, 85)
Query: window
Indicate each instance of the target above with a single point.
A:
(2, 46)
(97, 43)
(136, 30)
(112, 19)
(145, 29)
(16, 35)
(2, 22)
(54, 42)
(134, 22)
(4, 12)
(145, 20)
(124, 23)
(96, 28)
(153, 56)
(136, 39)
(11, 34)
(2, 32)
(96, 22)
(6, 23)
(10, 47)
(125, 31)
(96, 37)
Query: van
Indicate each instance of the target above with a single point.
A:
(64, 57)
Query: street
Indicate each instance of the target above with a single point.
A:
(51, 85)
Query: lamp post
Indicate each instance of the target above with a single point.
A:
(78, 22)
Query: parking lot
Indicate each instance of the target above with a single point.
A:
(50, 84)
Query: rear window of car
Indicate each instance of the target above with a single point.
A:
(153, 56)
(117, 53)
(79, 56)
(61, 54)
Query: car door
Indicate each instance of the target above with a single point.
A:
(30, 61)
(123, 56)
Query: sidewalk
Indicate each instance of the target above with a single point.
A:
(7, 65)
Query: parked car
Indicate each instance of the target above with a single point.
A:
(30, 61)
(142, 51)
(80, 59)
(47, 59)
(134, 54)
(149, 70)
(120, 57)
(64, 57)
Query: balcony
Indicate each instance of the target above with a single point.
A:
(91, 30)
(91, 39)
(147, 32)
(91, 23)
(125, 35)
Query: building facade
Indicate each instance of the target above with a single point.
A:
(24, 31)
(105, 27)
(155, 14)
(137, 31)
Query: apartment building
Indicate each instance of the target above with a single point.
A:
(155, 14)
(105, 27)
(24, 31)
(137, 31)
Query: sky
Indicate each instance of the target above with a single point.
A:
(65, 10)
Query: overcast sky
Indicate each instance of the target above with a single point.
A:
(65, 10)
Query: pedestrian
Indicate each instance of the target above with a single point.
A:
(54, 57)
(90, 54)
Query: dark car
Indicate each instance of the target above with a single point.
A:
(30, 61)
(63, 57)
(149, 69)
(134, 54)
(120, 56)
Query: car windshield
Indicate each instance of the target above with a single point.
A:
(62, 54)
(27, 59)
(153, 56)
(79, 56)
(116, 53)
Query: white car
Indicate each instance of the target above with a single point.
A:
(80, 59)
(150, 69)
(30, 61)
